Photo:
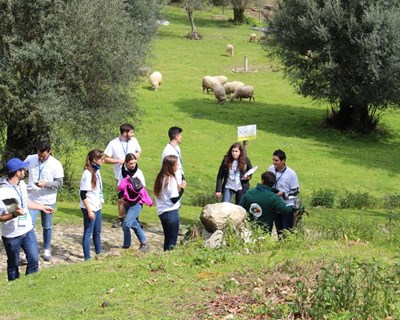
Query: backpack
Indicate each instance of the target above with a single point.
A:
(134, 192)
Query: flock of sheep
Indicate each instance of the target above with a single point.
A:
(218, 84)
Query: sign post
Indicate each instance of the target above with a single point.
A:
(246, 133)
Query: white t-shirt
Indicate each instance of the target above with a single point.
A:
(118, 149)
(233, 182)
(164, 202)
(48, 171)
(94, 196)
(285, 181)
(176, 151)
(19, 225)
(138, 174)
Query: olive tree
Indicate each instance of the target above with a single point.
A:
(344, 52)
(238, 7)
(68, 68)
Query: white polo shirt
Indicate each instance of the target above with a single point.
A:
(285, 181)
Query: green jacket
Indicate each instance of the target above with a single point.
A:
(270, 204)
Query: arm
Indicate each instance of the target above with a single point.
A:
(110, 160)
(56, 184)
(85, 202)
(220, 178)
(41, 207)
(248, 167)
(281, 207)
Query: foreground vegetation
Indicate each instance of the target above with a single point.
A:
(342, 265)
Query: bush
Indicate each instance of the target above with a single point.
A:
(202, 199)
(391, 201)
(323, 198)
(357, 200)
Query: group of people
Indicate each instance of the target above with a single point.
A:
(20, 204)
(271, 201)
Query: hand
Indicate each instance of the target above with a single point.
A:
(218, 194)
(245, 178)
(19, 212)
(121, 161)
(48, 210)
(41, 184)
(183, 184)
(122, 202)
(91, 215)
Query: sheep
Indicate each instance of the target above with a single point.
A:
(253, 37)
(244, 92)
(209, 83)
(221, 79)
(230, 50)
(230, 87)
(155, 80)
(219, 93)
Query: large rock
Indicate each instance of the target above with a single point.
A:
(216, 216)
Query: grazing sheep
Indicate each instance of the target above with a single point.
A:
(243, 93)
(230, 50)
(221, 79)
(253, 37)
(219, 93)
(155, 80)
(230, 87)
(209, 83)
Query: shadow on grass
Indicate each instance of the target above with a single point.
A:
(66, 209)
(299, 122)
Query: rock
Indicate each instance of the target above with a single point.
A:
(216, 216)
(215, 240)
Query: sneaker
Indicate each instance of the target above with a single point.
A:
(118, 224)
(23, 261)
(144, 247)
(47, 255)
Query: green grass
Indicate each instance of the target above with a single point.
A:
(184, 284)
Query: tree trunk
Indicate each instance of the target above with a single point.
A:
(191, 18)
(238, 15)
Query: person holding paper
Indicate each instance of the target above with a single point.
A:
(232, 178)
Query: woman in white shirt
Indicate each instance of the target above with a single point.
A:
(91, 194)
(168, 194)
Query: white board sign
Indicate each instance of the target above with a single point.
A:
(247, 132)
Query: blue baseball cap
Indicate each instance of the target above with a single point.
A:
(15, 164)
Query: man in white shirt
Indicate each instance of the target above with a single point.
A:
(17, 228)
(172, 148)
(46, 177)
(115, 154)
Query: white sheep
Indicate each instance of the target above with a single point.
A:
(243, 93)
(209, 83)
(219, 93)
(253, 37)
(155, 80)
(221, 79)
(230, 87)
(230, 50)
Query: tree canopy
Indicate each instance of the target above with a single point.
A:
(66, 67)
(343, 52)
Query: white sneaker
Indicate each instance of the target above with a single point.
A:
(47, 255)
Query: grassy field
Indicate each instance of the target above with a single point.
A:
(261, 280)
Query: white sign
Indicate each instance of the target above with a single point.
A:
(247, 132)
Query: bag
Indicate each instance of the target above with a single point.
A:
(136, 183)
(134, 192)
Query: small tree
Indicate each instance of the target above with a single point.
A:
(343, 52)
(238, 7)
(190, 6)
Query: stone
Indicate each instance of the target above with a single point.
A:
(216, 216)
(216, 240)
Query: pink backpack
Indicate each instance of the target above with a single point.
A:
(133, 196)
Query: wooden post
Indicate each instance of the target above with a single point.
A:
(246, 64)
(245, 146)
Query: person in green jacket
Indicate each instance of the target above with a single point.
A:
(262, 204)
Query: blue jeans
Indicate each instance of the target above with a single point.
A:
(91, 227)
(283, 222)
(47, 224)
(228, 195)
(131, 222)
(170, 224)
(29, 244)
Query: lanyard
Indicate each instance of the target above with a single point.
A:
(100, 182)
(276, 183)
(179, 154)
(125, 149)
(19, 194)
(41, 168)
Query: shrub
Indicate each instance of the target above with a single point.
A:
(202, 199)
(356, 200)
(391, 201)
(323, 198)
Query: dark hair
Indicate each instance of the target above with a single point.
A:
(93, 154)
(268, 178)
(167, 170)
(280, 154)
(129, 157)
(43, 146)
(173, 132)
(126, 127)
(228, 159)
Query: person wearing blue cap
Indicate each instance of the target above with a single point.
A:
(17, 229)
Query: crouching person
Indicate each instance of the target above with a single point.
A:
(17, 229)
(262, 204)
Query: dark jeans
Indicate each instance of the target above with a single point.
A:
(29, 244)
(91, 227)
(170, 223)
(283, 222)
